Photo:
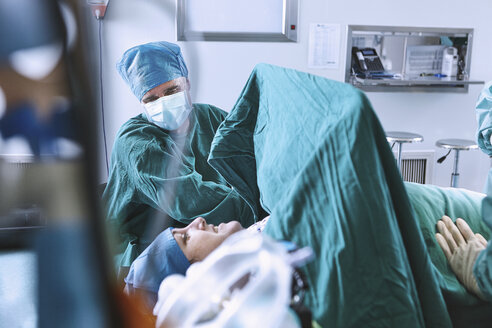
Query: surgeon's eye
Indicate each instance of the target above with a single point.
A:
(149, 99)
(172, 90)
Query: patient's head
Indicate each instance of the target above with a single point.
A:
(172, 252)
(198, 239)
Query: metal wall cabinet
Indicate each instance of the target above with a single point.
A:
(412, 58)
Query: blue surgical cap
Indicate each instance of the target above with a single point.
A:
(162, 258)
(148, 65)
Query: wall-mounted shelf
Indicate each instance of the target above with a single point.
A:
(414, 85)
(410, 59)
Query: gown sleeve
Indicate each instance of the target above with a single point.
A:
(484, 119)
(166, 179)
(483, 266)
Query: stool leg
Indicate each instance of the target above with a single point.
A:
(455, 175)
(399, 155)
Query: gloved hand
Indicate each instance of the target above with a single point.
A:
(461, 247)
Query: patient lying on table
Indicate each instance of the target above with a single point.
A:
(174, 250)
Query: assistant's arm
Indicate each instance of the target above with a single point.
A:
(167, 181)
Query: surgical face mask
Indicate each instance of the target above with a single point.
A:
(169, 112)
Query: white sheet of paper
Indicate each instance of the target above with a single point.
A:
(324, 45)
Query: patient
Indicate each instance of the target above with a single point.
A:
(198, 239)
(174, 250)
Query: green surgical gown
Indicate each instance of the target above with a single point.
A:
(319, 162)
(483, 265)
(158, 180)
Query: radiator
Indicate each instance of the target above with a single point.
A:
(417, 166)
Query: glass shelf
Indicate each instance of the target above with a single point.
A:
(391, 84)
(408, 52)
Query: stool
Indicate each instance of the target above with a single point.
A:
(457, 145)
(401, 138)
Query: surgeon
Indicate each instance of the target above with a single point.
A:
(159, 163)
(469, 255)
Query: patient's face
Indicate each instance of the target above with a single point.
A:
(198, 239)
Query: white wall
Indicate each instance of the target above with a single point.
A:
(218, 70)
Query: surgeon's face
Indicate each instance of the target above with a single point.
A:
(198, 239)
(166, 89)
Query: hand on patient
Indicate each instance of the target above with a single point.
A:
(461, 247)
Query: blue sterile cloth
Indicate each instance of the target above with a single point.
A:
(312, 152)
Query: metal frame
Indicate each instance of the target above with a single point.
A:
(409, 85)
(290, 16)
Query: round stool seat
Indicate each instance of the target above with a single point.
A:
(402, 137)
(458, 144)
(399, 138)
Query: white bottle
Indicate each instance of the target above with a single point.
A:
(387, 63)
(449, 66)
